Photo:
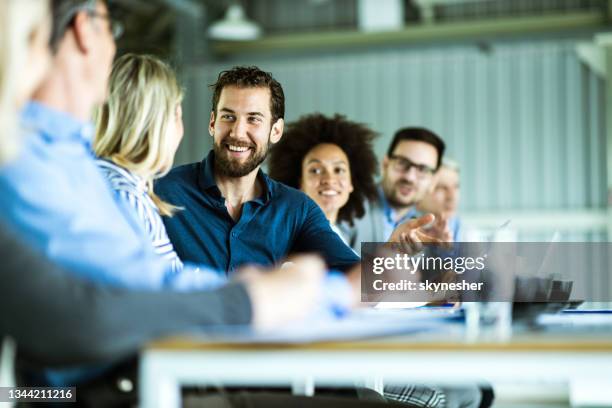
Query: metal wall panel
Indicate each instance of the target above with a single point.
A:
(285, 16)
(278, 16)
(525, 120)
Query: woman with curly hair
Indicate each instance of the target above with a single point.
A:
(331, 159)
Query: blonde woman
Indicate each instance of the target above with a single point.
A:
(42, 305)
(110, 323)
(138, 131)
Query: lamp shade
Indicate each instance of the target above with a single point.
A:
(234, 26)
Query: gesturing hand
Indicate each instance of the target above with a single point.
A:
(411, 234)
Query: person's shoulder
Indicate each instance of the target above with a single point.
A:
(179, 177)
(119, 178)
(184, 171)
(291, 202)
(373, 213)
(372, 206)
(110, 170)
(288, 194)
(35, 150)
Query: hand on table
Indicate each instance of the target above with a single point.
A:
(285, 294)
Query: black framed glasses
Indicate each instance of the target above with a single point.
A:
(115, 26)
(404, 164)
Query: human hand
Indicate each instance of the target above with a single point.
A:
(439, 229)
(412, 233)
(248, 273)
(286, 294)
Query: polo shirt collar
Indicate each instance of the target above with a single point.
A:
(56, 126)
(207, 179)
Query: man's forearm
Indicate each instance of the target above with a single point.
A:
(58, 318)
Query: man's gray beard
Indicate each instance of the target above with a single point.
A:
(224, 166)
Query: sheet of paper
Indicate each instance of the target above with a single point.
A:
(365, 323)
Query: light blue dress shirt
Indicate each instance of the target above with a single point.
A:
(57, 200)
(390, 222)
(55, 197)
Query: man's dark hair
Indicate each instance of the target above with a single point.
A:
(63, 12)
(419, 135)
(355, 139)
(251, 77)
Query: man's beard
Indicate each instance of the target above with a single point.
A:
(391, 195)
(226, 166)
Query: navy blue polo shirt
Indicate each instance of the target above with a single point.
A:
(280, 222)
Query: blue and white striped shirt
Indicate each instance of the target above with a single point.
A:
(133, 190)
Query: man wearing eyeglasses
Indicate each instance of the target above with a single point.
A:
(55, 200)
(408, 171)
(88, 26)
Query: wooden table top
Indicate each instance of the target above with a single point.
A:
(522, 342)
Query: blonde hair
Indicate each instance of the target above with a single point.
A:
(132, 127)
(19, 19)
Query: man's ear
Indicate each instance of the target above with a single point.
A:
(211, 124)
(82, 32)
(277, 131)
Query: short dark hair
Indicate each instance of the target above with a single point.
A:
(419, 135)
(63, 12)
(355, 139)
(251, 77)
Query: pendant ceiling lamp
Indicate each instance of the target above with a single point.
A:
(234, 26)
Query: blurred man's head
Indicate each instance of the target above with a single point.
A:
(25, 27)
(83, 36)
(409, 166)
(248, 107)
(444, 198)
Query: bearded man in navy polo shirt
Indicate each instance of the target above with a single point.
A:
(233, 213)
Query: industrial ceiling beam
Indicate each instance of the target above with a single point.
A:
(186, 7)
(139, 6)
(419, 34)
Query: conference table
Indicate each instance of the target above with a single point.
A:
(579, 359)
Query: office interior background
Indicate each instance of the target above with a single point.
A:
(517, 88)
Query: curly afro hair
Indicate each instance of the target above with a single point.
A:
(355, 139)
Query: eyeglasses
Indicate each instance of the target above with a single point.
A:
(66, 18)
(115, 26)
(404, 164)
